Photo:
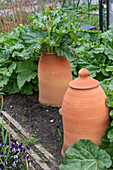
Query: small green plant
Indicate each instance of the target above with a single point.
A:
(30, 141)
(60, 111)
(34, 135)
(59, 136)
(55, 148)
(23, 119)
(24, 112)
(58, 133)
(17, 130)
(45, 160)
(53, 132)
(38, 152)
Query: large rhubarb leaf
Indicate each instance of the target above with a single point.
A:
(31, 41)
(107, 141)
(11, 87)
(5, 74)
(65, 51)
(91, 58)
(85, 155)
(3, 81)
(27, 89)
(109, 52)
(26, 70)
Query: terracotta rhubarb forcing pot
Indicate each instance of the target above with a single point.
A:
(54, 75)
(84, 111)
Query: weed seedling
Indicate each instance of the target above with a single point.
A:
(59, 135)
(53, 132)
(38, 152)
(30, 141)
(17, 130)
(45, 160)
(23, 119)
(34, 135)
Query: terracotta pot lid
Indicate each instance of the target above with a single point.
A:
(84, 81)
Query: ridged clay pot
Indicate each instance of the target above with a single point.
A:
(54, 75)
(84, 111)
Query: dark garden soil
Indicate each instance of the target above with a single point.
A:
(41, 121)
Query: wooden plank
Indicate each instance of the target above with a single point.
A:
(38, 160)
(16, 124)
(46, 153)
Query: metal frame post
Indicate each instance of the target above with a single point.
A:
(63, 3)
(74, 4)
(88, 8)
(100, 15)
(107, 3)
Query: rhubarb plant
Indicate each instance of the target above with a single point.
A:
(56, 30)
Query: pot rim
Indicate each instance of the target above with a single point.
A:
(48, 53)
(83, 88)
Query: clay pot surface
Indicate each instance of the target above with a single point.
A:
(54, 75)
(84, 111)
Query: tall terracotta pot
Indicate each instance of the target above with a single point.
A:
(84, 111)
(54, 75)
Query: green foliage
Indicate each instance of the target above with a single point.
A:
(107, 141)
(23, 119)
(25, 71)
(60, 111)
(59, 135)
(58, 32)
(18, 65)
(90, 57)
(86, 155)
(107, 138)
(90, 54)
(108, 42)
